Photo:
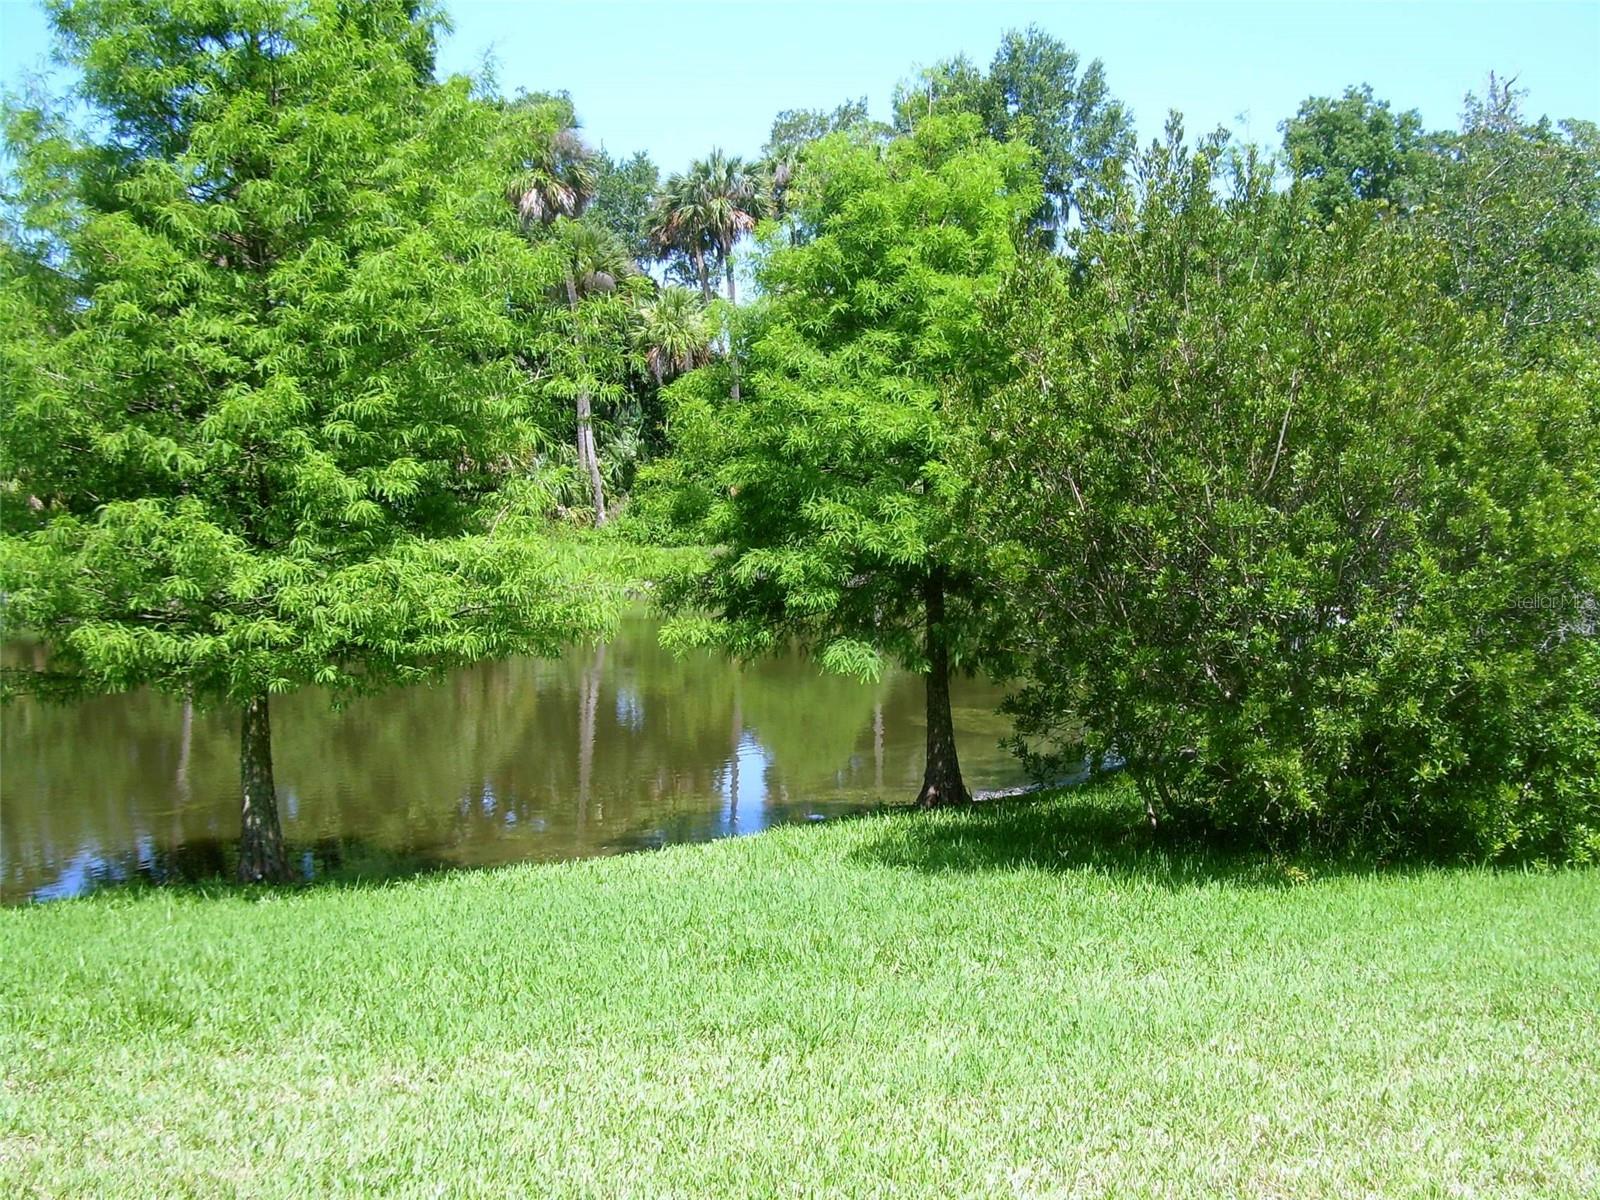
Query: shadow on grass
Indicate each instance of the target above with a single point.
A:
(1096, 827)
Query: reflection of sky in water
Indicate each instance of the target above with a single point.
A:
(630, 708)
(745, 809)
(84, 868)
(89, 867)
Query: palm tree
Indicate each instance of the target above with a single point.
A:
(558, 179)
(673, 334)
(594, 259)
(594, 263)
(703, 212)
(558, 176)
(679, 225)
(733, 197)
(780, 169)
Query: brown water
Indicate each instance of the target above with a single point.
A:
(618, 748)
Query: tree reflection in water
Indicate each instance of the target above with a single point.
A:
(612, 748)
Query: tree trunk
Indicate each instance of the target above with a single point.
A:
(261, 858)
(589, 457)
(733, 359)
(941, 780)
(704, 274)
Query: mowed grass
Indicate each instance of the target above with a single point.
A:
(1031, 999)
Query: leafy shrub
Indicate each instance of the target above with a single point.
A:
(1294, 538)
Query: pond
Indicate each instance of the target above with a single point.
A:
(609, 749)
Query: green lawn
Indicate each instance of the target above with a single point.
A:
(1024, 1000)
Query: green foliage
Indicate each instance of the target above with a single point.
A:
(673, 493)
(673, 333)
(793, 129)
(949, 86)
(266, 421)
(623, 191)
(302, 347)
(829, 485)
(1290, 534)
(1033, 90)
(556, 172)
(1517, 205)
(1350, 149)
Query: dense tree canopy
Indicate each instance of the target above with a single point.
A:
(623, 191)
(1351, 148)
(1273, 477)
(795, 128)
(1033, 91)
(1515, 203)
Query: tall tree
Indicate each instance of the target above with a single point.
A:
(704, 212)
(597, 277)
(831, 490)
(1516, 202)
(1351, 148)
(733, 199)
(1038, 90)
(680, 228)
(558, 172)
(624, 190)
(591, 212)
(265, 421)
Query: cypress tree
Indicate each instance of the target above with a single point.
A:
(266, 422)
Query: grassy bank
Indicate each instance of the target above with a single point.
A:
(1026, 1000)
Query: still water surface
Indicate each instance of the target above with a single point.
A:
(609, 749)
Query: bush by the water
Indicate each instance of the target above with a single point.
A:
(1294, 535)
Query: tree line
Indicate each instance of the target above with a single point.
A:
(1273, 477)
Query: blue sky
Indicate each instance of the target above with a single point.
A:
(679, 78)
